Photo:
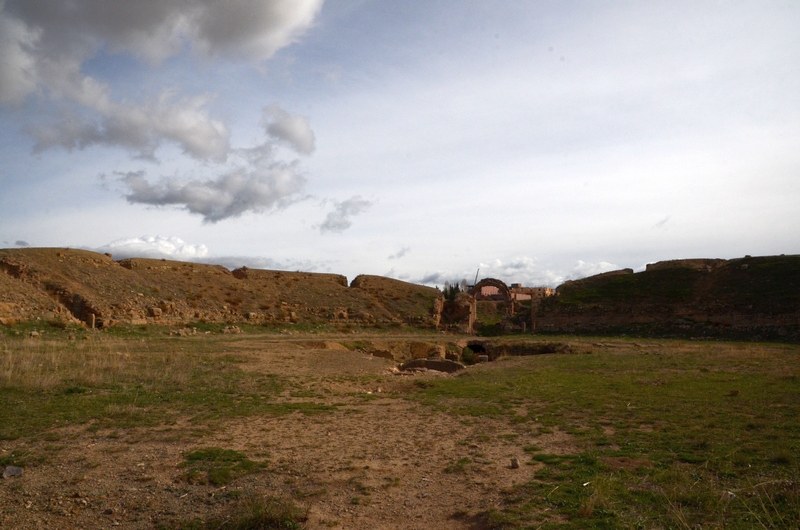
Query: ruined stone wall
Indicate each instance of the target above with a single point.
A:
(747, 298)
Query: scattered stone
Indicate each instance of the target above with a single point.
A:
(183, 332)
(483, 358)
(231, 329)
(515, 463)
(384, 354)
(34, 334)
(12, 471)
(440, 365)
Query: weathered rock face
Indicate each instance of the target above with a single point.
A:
(755, 298)
(416, 305)
(75, 284)
(459, 314)
(424, 350)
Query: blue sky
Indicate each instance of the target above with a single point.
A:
(539, 141)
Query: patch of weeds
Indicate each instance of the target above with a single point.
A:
(689, 458)
(52, 436)
(390, 482)
(19, 458)
(783, 458)
(468, 356)
(459, 466)
(217, 466)
(303, 394)
(298, 493)
(250, 513)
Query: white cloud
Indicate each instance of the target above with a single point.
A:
(138, 128)
(662, 222)
(253, 188)
(44, 45)
(157, 29)
(339, 219)
(252, 29)
(154, 247)
(294, 130)
(253, 181)
(524, 270)
(17, 63)
(583, 269)
(400, 253)
(235, 262)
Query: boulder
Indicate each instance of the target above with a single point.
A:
(12, 471)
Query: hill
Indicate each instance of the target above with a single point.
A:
(750, 297)
(77, 285)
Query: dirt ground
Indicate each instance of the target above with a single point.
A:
(379, 461)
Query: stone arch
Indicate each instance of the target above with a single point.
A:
(493, 282)
(501, 287)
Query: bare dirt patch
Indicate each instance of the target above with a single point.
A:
(374, 460)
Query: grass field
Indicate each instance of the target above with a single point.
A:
(661, 434)
(667, 434)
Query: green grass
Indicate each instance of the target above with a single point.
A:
(251, 513)
(459, 466)
(217, 466)
(709, 436)
(119, 383)
(669, 285)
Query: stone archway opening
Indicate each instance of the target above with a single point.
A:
(494, 305)
(477, 348)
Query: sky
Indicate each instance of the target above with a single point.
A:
(435, 140)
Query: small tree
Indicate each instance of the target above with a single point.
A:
(451, 290)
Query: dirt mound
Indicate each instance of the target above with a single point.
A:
(95, 289)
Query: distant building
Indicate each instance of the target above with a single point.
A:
(518, 292)
(488, 292)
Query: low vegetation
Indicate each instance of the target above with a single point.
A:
(652, 433)
(109, 382)
(668, 435)
(252, 513)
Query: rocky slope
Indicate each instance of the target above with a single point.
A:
(76, 285)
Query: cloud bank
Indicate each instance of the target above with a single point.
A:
(253, 181)
(527, 271)
(44, 45)
(156, 247)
